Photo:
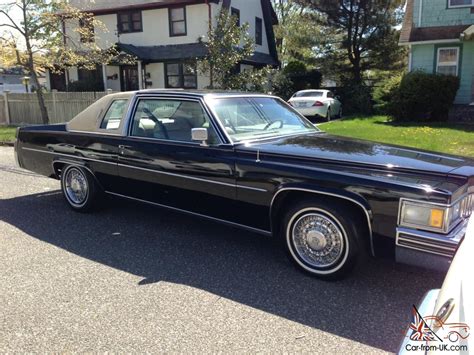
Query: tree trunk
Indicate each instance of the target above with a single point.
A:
(39, 94)
(31, 67)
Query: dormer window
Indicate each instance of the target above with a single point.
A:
(129, 21)
(177, 21)
(460, 3)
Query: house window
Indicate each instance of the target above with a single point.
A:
(258, 31)
(460, 3)
(448, 61)
(177, 20)
(130, 21)
(236, 14)
(86, 31)
(181, 75)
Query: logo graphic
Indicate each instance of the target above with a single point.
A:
(422, 329)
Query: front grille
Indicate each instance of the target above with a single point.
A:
(467, 205)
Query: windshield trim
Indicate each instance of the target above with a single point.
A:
(215, 116)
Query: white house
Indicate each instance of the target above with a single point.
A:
(164, 36)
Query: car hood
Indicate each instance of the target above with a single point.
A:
(336, 149)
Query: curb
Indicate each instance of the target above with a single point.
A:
(7, 144)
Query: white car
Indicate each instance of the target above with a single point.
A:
(446, 316)
(312, 103)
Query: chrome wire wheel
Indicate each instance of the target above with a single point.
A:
(76, 186)
(317, 241)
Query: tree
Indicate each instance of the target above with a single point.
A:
(40, 40)
(228, 44)
(297, 33)
(361, 35)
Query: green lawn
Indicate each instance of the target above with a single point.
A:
(439, 137)
(7, 134)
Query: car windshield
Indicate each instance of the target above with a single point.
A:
(249, 118)
(309, 94)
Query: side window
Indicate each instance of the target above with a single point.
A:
(330, 94)
(114, 115)
(170, 120)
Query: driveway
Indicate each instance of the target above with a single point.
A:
(133, 278)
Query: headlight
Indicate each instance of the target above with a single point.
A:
(434, 217)
(420, 215)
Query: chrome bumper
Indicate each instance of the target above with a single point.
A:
(428, 249)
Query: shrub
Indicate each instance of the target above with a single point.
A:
(423, 97)
(282, 85)
(384, 93)
(294, 77)
(356, 99)
(86, 85)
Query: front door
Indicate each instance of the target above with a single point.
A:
(129, 78)
(158, 161)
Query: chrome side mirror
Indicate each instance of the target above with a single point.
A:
(200, 134)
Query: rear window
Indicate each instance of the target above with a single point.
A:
(309, 94)
(114, 115)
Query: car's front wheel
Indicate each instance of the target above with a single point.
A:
(320, 240)
(79, 188)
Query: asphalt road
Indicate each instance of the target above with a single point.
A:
(132, 278)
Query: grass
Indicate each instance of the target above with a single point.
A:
(7, 134)
(438, 137)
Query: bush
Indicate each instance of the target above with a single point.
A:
(294, 77)
(423, 97)
(384, 93)
(282, 85)
(356, 99)
(86, 85)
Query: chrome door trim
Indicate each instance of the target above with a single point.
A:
(192, 178)
(242, 226)
(69, 155)
(150, 170)
(367, 213)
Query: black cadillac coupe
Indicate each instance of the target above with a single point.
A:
(252, 161)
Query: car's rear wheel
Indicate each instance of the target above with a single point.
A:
(79, 188)
(320, 240)
(328, 115)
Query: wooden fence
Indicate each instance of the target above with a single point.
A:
(23, 109)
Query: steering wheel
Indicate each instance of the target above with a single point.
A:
(272, 123)
(155, 119)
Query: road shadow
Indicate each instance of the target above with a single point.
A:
(372, 306)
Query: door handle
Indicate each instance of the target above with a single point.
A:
(125, 146)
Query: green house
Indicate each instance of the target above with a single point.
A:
(440, 38)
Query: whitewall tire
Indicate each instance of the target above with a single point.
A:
(79, 188)
(320, 240)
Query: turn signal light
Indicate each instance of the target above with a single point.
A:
(436, 218)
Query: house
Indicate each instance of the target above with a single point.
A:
(166, 37)
(440, 38)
